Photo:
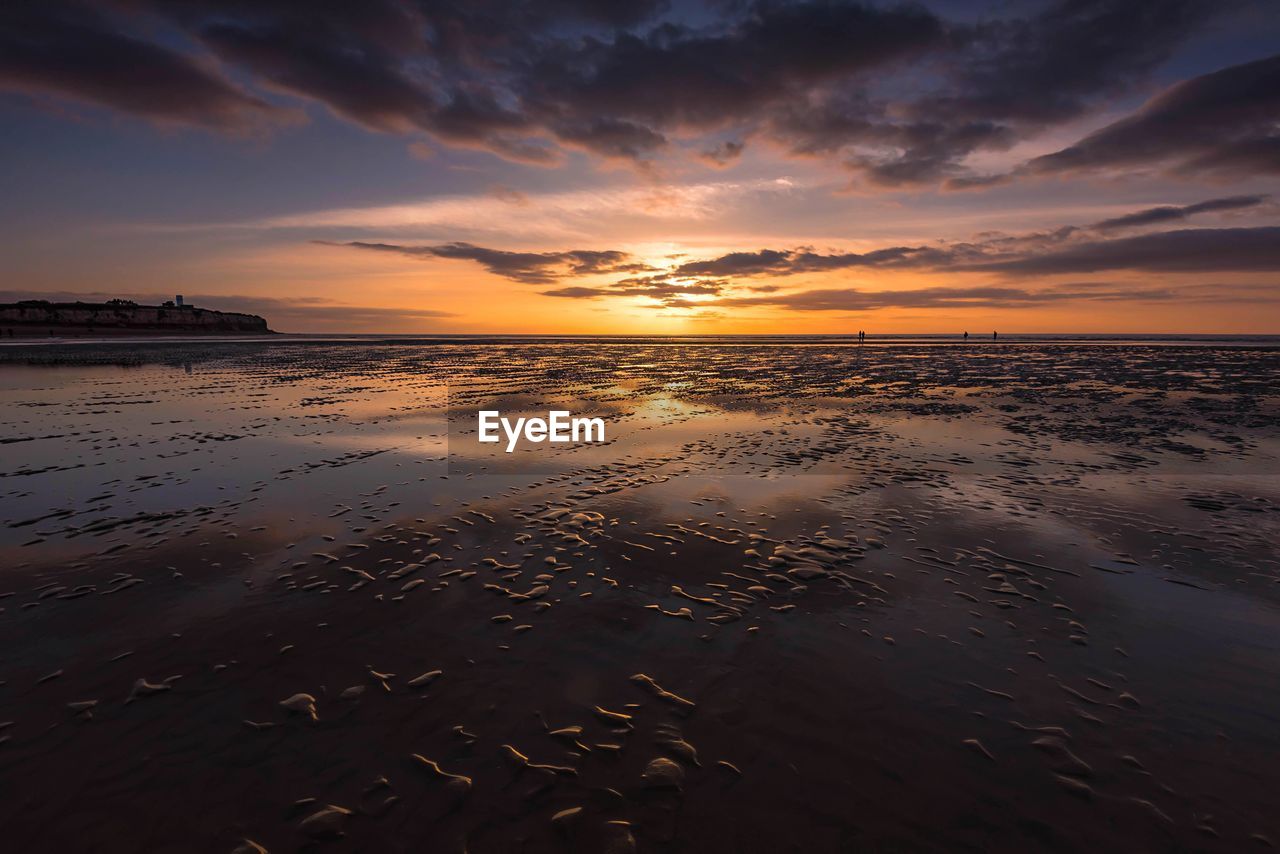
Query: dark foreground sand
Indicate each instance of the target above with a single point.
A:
(820, 598)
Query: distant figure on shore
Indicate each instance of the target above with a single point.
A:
(966, 336)
(995, 335)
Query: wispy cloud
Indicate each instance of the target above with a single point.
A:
(732, 278)
(1196, 250)
(534, 268)
(1175, 213)
(509, 215)
(987, 296)
(1067, 249)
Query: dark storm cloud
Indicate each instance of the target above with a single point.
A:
(500, 76)
(359, 84)
(612, 138)
(1048, 66)
(1004, 79)
(1171, 213)
(534, 268)
(930, 151)
(369, 82)
(695, 77)
(1224, 122)
(897, 93)
(885, 150)
(75, 52)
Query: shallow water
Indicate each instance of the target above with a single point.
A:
(1005, 598)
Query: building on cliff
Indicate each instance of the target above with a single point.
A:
(32, 318)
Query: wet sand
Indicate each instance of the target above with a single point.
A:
(806, 598)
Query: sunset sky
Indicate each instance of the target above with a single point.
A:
(642, 166)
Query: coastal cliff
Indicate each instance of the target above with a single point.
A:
(69, 319)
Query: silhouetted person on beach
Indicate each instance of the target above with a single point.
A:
(966, 336)
(995, 335)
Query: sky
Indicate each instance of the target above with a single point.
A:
(650, 167)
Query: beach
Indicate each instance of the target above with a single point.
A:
(807, 596)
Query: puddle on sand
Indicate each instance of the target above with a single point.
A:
(915, 597)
